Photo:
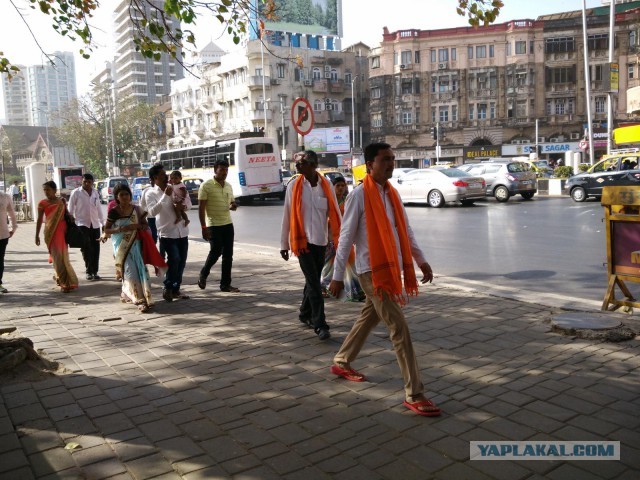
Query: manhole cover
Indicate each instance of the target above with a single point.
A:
(586, 320)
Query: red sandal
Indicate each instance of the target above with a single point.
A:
(415, 406)
(348, 374)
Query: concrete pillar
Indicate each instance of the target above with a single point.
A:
(35, 176)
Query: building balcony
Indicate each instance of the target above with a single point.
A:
(319, 86)
(521, 90)
(257, 81)
(336, 116)
(560, 56)
(483, 93)
(257, 115)
(321, 116)
(519, 121)
(336, 86)
(441, 97)
(405, 128)
(561, 89)
(562, 119)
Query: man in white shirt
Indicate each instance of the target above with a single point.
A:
(84, 206)
(14, 191)
(6, 212)
(364, 220)
(143, 204)
(314, 207)
(174, 237)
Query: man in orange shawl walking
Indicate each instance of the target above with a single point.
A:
(376, 222)
(309, 202)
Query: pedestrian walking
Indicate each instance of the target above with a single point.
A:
(52, 209)
(143, 203)
(174, 237)
(353, 290)
(309, 202)
(84, 206)
(126, 223)
(6, 213)
(215, 204)
(14, 192)
(376, 221)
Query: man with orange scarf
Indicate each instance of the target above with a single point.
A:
(376, 222)
(309, 202)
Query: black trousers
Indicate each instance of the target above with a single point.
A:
(3, 248)
(220, 243)
(91, 250)
(312, 307)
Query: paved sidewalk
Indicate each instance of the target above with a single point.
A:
(232, 385)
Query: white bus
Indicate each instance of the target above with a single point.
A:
(255, 168)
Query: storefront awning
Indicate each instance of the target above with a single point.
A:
(626, 135)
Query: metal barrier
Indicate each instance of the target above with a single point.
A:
(23, 211)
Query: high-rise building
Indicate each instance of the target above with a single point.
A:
(51, 87)
(16, 98)
(136, 76)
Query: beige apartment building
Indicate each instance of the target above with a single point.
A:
(252, 89)
(487, 87)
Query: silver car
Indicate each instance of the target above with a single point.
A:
(505, 178)
(436, 186)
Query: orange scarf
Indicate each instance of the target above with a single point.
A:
(297, 236)
(383, 252)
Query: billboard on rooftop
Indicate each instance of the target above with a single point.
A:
(314, 17)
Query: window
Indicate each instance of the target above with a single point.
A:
(417, 56)
(531, 46)
(434, 83)
(258, 72)
(492, 110)
(443, 86)
(375, 62)
(443, 55)
(598, 41)
(633, 38)
(521, 48)
(595, 73)
(482, 111)
(317, 106)
(444, 114)
(280, 70)
(601, 104)
(375, 92)
(560, 75)
(334, 75)
(470, 52)
(406, 86)
(433, 114)
(433, 56)
(407, 118)
(521, 109)
(417, 116)
(508, 49)
(376, 120)
(491, 51)
(481, 51)
(560, 106)
(317, 75)
(347, 78)
(470, 111)
(630, 71)
(454, 113)
(453, 54)
(559, 45)
(405, 57)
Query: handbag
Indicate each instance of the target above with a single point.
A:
(74, 236)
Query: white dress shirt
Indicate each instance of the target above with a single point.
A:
(160, 205)
(85, 208)
(143, 200)
(315, 213)
(354, 231)
(6, 210)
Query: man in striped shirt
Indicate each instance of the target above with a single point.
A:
(215, 202)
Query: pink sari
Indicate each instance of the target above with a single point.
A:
(55, 229)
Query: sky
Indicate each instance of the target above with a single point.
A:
(363, 20)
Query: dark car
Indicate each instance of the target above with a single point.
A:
(193, 185)
(617, 170)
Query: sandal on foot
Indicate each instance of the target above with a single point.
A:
(347, 373)
(144, 308)
(418, 407)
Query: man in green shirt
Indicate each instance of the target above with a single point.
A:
(215, 201)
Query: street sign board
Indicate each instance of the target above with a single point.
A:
(302, 116)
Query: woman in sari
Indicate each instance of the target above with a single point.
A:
(126, 224)
(352, 288)
(52, 209)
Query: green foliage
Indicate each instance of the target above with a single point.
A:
(479, 12)
(583, 167)
(563, 171)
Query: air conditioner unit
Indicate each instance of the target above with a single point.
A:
(327, 68)
(442, 66)
(328, 106)
(403, 66)
(276, 81)
(554, 139)
(308, 83)
(575, 136)
(327, 74)
(541, 139)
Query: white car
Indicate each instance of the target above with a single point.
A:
(398, 172)
(436, 186)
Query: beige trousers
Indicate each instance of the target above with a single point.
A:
(391, 314)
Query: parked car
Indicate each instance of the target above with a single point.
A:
(436, 186)
(99, 185)
(614, 171)
(505, 178)
(193, 185)
(398, 172)
(286, 176)
(138, 185)
(106, 194)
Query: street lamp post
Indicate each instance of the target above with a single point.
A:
(283, 107)
(353, 116)
(46, 129)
